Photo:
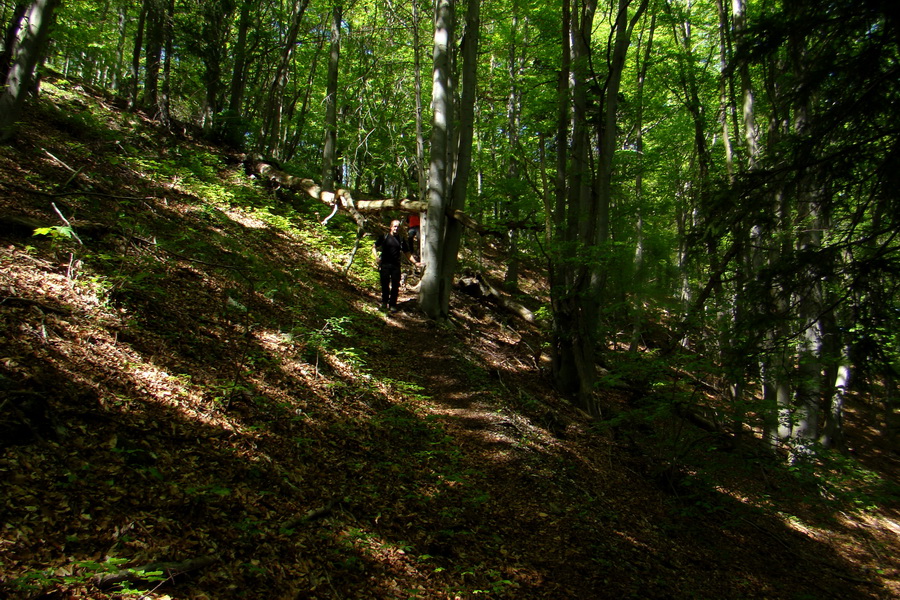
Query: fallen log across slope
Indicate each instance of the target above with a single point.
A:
(343, 199)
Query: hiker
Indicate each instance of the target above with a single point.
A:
(413, 222)
(388, 250)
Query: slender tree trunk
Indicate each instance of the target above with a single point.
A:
(135, 75)
(639, 268)
(559, 268)
(725, 103)
(165, 105)
(153, 55)
(751, 135)
(420, 136)
(513, 107)
(119, 70)
(271, 131)
(12, 38)
(574, 364)
(330, 147)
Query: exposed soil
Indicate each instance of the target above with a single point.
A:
(188, 383)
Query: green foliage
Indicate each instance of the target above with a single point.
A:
(56, 232)
(79, 572)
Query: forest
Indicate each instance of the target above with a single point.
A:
(651, 350)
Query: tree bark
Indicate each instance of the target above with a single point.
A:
(270, 134)
(25, 56)
(463, 153)
(330, 146)
(439, 199)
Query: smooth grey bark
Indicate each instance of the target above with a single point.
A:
(330, 146)
(24, 58)
(438, 185)
(463, 151)
(725, 97)
(748, 98)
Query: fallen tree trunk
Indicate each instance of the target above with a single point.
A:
(342, 198)
(478, 287)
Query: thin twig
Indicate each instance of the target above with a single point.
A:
(66, 221)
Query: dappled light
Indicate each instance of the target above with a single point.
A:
(199, 385)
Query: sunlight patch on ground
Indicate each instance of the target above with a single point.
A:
(242, 218)
(794, 522)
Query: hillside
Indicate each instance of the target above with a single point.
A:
(192, 386)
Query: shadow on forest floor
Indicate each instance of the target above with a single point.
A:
(197, 380)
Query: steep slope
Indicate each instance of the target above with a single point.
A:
(192, 387)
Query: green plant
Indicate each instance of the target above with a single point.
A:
(79, 572)
(56, 232)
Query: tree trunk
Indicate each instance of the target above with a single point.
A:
(135, 75)
(639, 266)
(270, 134)
(330, 146)
(12, 38)
(165, 104)
(430, 292)
(421, 178)
(513, 124)
(463, 155)
(25, 56)
(216, 23)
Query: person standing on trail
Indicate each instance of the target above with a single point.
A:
(388, 250)
(413, 223)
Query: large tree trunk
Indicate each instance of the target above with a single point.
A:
(463, 155)
(25, 56)
(430, 292)
(232, 130)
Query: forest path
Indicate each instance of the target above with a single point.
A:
(518, 491)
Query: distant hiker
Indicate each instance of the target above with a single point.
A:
(388, 250)
(413, 223)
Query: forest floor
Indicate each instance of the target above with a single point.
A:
(190, 385)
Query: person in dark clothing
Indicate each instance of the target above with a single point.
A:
(388, 251)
